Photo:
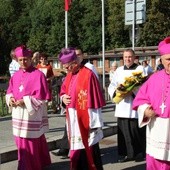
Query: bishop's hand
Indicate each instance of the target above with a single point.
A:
(66, 99)
(149, 112)
(12, 102)
(20, 103)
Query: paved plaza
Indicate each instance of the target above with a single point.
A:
(57, 122)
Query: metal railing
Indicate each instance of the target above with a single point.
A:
(3, 108)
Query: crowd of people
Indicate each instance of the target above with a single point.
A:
(142, 115)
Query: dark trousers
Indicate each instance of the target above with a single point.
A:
(131, 138)
(82, 161)
(64, 141)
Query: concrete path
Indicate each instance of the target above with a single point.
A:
(108, 148)
(56, 125)
(57, 122)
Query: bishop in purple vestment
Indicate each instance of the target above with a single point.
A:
(153, 105)
(26, 97)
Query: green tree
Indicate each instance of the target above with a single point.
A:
(157, 22)
(40, 25)
(6, 22)
(47, 31)
(86, 27)
(118, 32)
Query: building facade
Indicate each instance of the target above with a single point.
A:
(142, 53)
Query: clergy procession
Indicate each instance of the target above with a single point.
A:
(85, 85)
(141, 108)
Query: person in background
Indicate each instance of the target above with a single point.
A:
(14, 65)
(137, 60)
(82, 96)
(26, 98)
(85, 62)
(113, 69)
(131, 139)
(63, 146)
(153, 105)
(35, 58)
(160, 66)
(147, 68)
(46, 68)
(64, 143)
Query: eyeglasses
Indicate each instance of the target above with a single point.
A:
(67, 66)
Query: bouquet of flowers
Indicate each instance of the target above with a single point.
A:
(129, 84)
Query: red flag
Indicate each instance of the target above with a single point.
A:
(67, 4)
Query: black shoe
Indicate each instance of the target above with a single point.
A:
(139, 157)
(65, 157)
(125, 159)
(62, 152)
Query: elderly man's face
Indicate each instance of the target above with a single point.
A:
(70, 67)
(166, 62)
(25, 62)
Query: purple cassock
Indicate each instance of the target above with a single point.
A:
(29, 127)
(29, 83)
(155, 94)
(153, 99)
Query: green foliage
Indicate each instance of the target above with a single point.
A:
(85, 25)
(118, 32)
(40, 25)
(157, 23)
(47, 30)
(3, 106)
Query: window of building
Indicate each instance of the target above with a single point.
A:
(100, 63)
(56, 64)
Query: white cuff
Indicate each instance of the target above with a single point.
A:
(141, 110)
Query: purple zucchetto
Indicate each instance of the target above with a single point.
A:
(22, 51)
(164, 46)
(67, 55)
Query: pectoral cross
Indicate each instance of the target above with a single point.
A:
(21, 87)
(162, 107)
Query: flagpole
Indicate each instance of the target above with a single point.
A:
(66, 29)
(103, 43)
